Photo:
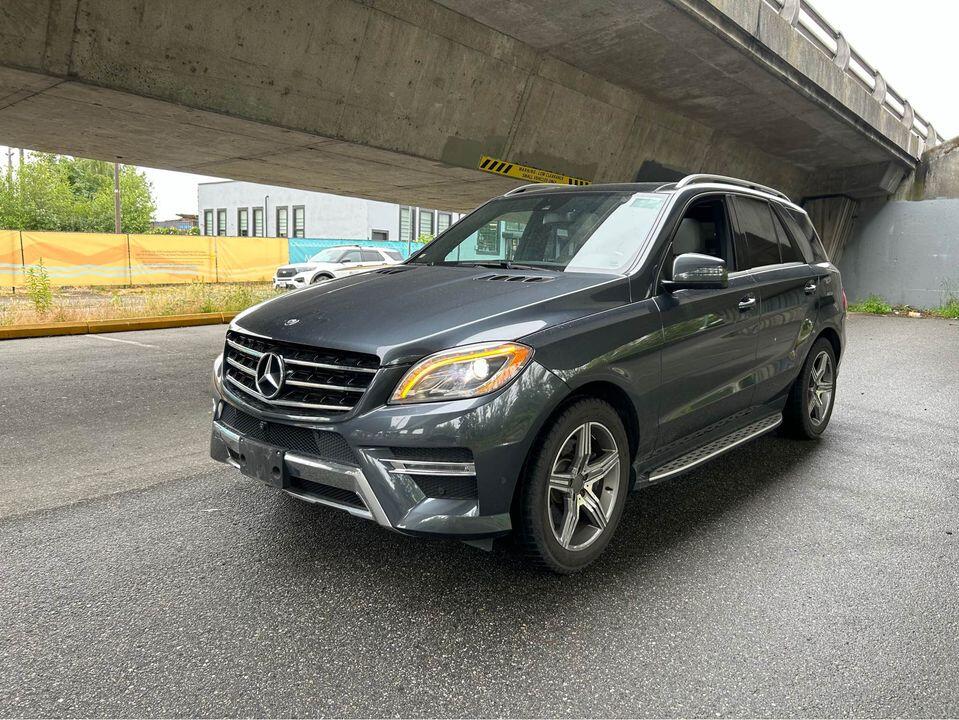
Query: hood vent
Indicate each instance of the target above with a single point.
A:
(392, 270)
(516, 278)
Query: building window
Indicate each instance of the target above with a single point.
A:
(299, 221)
(221, 221)
(243, 222)
(380, 235)
(282, 221)
(487, 239)
(257, 222)
(208, 223)
(406, 224)
(443, 221)
(425, 223)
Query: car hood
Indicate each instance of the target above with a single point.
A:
(403, 314)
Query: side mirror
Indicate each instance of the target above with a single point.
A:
(692, 271)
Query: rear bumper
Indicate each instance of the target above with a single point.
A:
(394, 482)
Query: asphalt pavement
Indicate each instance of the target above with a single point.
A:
(137, 577)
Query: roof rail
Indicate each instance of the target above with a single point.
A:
(702, 178)
(530, 186)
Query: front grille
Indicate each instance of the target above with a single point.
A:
(323, 444)
(286, 272)
(317, 382)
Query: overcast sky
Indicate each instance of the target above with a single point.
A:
(912, 43)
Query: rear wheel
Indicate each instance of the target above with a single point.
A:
(573, 498)
(813, 394)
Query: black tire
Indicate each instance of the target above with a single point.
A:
(320, 278)
(535, 519)
(798, 420)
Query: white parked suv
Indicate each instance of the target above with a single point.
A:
(334, 262)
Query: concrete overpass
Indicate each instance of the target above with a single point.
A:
(400, 99)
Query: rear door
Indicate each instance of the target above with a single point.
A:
(788, 289)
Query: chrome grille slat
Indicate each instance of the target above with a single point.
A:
(286, 403)
(316, 381)
(327, 366)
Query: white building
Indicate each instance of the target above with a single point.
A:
(236, 208)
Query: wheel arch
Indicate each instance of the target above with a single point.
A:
(832, 336)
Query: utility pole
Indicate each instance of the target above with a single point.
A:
(10, 159)
(116, 198)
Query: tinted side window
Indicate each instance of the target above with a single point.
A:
(371, 256)
(809, 233)
(756, 224)
(787, 251)
(351, 256)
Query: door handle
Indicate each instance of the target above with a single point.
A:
(810, 287)
(747, 302)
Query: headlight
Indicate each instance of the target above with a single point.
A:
(462, 372)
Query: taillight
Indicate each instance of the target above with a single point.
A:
(845, 303)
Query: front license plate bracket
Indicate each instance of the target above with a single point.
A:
(262, 462)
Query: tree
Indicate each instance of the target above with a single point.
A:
(56, 192)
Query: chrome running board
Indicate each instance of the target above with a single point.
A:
(717, 447)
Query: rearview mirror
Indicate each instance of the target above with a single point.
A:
(692, 271)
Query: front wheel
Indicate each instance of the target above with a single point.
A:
(813, 394)
(574, 494)
(320, 279)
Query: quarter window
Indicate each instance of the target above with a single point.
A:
(808, 232)
(299, 221)
(243, 222)
(756, 224)
(282, 221)
(258, 222)
(787, 250)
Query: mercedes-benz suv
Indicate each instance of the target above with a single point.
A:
(550, 352)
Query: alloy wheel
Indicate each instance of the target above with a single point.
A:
(820, 388)
(584, 484)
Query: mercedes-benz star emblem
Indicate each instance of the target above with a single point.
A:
(270, 371)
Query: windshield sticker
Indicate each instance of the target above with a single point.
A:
(647, 203)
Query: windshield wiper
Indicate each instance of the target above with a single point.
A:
(504, 264)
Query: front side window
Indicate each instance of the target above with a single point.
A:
(208, 228)
(756, 224)
(258, 222)
(221, 222)
(282, 221)
(243, 222)
(704, 229)
(564, 231)
(299, 222)
(351, 256)
(328, 255)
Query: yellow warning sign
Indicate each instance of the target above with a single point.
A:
(525, 172)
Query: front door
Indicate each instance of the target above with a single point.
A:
(709, 349)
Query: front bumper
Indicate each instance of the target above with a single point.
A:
(399, 456)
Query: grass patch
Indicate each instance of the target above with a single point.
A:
(873, 304)
(949, 310)
(85, 304)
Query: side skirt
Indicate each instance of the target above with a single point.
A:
(704, 453)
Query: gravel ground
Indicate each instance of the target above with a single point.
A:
(783, 579)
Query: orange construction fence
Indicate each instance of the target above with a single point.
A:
(78, 259)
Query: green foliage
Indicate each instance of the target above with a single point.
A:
(872, 304)
(425, 238)
(949, 310)
(172, 231)
(60, 193)
(39, 288)
(206, 297)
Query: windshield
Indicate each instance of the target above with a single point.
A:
(577, 232)
(329, 255)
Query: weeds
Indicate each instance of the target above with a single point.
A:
(949, 310)
(873, 304)
(39, 288)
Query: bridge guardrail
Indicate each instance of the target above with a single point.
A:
(802, 16)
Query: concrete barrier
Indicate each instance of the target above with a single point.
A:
(13, 332)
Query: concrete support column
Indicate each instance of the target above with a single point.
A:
(835, 218)
(908, 114)
(790, 11)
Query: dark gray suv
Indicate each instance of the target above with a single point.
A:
(553, 350)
